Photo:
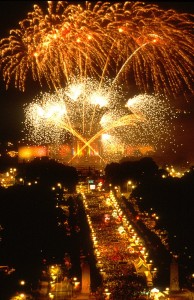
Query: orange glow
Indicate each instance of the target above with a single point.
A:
(64, 150)
(143, 149)
(30, 152)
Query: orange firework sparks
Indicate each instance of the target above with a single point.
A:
(134, 42)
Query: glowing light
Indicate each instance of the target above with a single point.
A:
(105, 136)
(74, 91)
(97, 99)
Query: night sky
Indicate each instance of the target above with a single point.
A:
(12, 100)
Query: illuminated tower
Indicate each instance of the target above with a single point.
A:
(85, 278)
(174, 276)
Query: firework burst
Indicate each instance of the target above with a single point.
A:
(134, 42)
(89, 114)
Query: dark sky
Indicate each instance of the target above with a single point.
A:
(12, 100)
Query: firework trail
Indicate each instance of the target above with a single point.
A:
(132, 42)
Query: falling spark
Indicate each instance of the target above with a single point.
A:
(132, 42)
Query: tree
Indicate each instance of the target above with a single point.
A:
(49, 172)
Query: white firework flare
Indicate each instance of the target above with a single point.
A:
(92, 112)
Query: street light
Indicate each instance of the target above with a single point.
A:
(75, 286)
(107, 293)
(129, 183)
(21, 180)
(22, 282)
